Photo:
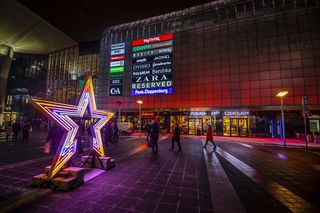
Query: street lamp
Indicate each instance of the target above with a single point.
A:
(119, 103)
(281, 95)
(140, 102)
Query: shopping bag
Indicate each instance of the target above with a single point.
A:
(47, 148)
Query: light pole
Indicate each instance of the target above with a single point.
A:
(304, 103)
(140, 102)
(119, 103)
(281, 95)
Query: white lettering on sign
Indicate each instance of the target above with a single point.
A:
(148, 40)
(115, 91)
(198, 113)
(165, 63)
(116, 52)
(116, 81)
(214, 113)
(116, 63)
(236, 113)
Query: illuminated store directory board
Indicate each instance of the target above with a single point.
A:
(152, 65)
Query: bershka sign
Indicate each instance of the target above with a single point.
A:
(153, 39)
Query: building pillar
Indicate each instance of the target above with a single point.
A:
(6, 54)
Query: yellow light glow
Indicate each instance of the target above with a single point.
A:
(282, 94)
(139, 101)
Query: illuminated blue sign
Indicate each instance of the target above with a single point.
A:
(151, 91)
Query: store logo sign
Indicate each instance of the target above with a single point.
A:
(153, 39)
(198, 113)
(117, 46)
(117, 57)
(116, 69)
(214, 113)
(117, 52)
(236, 113)
(155, 91)
(115, 90)
(116, 81)
(116, 63)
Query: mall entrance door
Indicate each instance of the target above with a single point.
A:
(195, 126)
(235, 126)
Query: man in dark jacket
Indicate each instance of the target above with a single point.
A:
(108, 134)
(16, 129)
(154, 135)
(176, 137)
(25, 132)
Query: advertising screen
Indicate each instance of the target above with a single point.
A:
(152, 65)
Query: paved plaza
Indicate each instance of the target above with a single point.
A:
(239, 176)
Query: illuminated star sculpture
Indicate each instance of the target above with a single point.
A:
(61, 113)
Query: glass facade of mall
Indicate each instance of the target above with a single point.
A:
(67, 70)
(27, 78)
(232, 57)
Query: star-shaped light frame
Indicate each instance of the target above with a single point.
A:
(61, 113)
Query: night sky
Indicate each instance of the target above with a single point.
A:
(84, 20)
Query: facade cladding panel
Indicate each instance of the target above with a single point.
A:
(229, 62)
(237, 55)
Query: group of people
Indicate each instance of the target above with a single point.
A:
(14, 130)
(152, 130)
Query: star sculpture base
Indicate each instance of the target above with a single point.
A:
(61, 115)
(67, 179)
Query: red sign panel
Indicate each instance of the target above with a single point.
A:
(117, 57)
(152, 40)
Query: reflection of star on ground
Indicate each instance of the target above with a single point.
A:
(61, 113)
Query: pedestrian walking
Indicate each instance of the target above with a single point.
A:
(26, 129)
(108, 134)
(7, 131)
(16, 129)
(148, 130)
(154, 135)
(176, 137)
(54, 137)
(115, 131)
(209, 138)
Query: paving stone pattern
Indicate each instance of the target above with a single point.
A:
(165, 182)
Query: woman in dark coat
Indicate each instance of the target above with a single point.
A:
(210, 137)
(176, 137)
(154, 135)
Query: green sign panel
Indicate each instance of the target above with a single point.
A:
(116, 75)
(141, 48)
(116, 69)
